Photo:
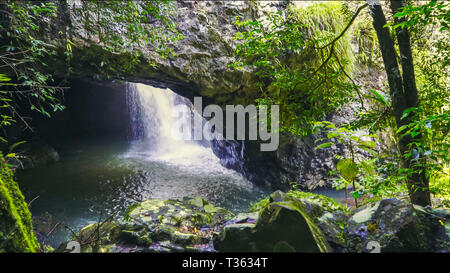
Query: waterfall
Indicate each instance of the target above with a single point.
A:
(152, 123)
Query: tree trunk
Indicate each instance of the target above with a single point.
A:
(418, 184)
(403, 93)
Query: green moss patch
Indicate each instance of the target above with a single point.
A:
(16, 231)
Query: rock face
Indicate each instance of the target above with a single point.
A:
(202, 56)
(295, 160)
(200, 68)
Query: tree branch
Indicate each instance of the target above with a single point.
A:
(354, 83)
(347, 27)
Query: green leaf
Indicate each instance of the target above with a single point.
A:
(318, 140)
(324, 145)
(370, 151)
(408, 111)
(356, 194)
(369, 144)
(15, 145)
(402, 128)
(348, 169)
(368, 168)
(379, 96)
(3, 78)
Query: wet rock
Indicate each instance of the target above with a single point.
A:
(44, 225)
(157, 225)
(187, 212)
(398, 226)
(36, 154)
(236, 238)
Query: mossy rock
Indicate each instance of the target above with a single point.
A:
(181, 238)
(107, 232)
(148, 224)
(322, 202)
(16, 230)
(178, 221)
(397, 226)
(283, 247)
(278, 221)
(324, 212)
(190, 212)
(235, 238)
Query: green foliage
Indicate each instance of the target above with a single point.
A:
(440, 185)
(375, 176)
(16, 232)
(431, 12)
(133, 28)
(430, 145)
(348, 169)
(22, 77)
(429, 24)
(308, 72)
(365, 37)
(300, 65)
(24, 60)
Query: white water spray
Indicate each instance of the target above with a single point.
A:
(153, 126)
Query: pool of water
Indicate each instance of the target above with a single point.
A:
(96, 179)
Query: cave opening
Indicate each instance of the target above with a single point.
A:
(115, 150)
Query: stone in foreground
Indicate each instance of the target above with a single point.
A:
(157, 226)
(282, 226)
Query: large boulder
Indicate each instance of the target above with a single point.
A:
(284, 225)
(392, 225)
(327, 214)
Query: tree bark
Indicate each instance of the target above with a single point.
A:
(390, 63)
(403, 93)
(418, 184)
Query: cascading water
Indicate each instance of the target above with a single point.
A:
(155, 138)
(187, 167)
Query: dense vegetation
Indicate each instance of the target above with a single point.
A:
(305, 61)
(307, 66)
